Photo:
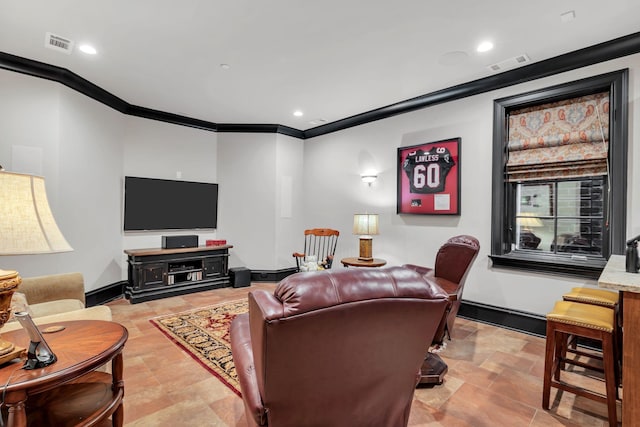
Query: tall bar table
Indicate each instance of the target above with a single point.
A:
(614, 276)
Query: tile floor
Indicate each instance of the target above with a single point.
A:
(494, 379)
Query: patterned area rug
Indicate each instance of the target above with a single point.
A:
(204, 334)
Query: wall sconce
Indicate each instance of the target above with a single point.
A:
(369, 179)
(365, 225)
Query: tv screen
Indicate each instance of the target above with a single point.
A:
(161, 204)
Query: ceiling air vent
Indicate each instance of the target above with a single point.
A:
(58, 43)
(516, 61)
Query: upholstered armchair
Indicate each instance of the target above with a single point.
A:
(55, 298)
(453, 262)
(335, 347)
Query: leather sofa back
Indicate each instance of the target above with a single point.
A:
(343, 347)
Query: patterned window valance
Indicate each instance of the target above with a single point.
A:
(563, 139)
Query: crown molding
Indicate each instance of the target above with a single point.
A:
(260, 128)
(64, 76)
(176, 119)
(616, 48)
(606, 51)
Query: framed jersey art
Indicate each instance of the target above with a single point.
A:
(429, 178)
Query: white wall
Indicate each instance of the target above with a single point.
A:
(75, 143)
(334, 162)
(260, 191)
(90, 162)
(154, 149)
(247, 177)
(289, 212)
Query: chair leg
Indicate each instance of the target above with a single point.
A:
(608, 348)
(560, 354)
(550, 350)
(617, 338)
(562, 342)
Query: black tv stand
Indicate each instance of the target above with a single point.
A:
(161, 273)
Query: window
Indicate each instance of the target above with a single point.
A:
(561, 217)
(559, 199)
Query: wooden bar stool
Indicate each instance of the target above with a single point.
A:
(587, 321)
(593, 296)
(603, 298)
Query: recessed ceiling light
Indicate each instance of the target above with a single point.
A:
(89, 50)
(485, 46)
(225, 66)
(298, 113)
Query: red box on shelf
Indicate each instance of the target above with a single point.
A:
(216, 242)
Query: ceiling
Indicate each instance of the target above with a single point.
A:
(331, 59)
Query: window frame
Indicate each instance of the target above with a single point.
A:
(614, 237)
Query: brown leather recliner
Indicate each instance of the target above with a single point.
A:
(335, 347)
(453, 262)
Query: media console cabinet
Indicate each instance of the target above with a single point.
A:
(161, 273)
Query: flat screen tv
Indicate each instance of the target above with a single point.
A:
(161, 204)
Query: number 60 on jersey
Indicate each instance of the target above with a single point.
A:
(429, 178)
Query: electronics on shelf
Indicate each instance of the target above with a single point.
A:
(174, 242)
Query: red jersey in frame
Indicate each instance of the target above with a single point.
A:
(429, 178)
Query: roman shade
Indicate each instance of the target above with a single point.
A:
(563, 139)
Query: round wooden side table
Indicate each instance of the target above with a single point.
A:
(86, 396)
(356, 262)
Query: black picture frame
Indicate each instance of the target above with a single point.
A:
(429, 178)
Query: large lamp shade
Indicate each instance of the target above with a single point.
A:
(27, 226)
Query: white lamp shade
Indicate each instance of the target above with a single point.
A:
(527, 220)
(365, 224)
(27, 225)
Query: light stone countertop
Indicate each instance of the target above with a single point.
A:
(615, 276)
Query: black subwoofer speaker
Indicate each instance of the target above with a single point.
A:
(240, 277)
(173, 242)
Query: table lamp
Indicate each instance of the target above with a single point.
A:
(527, 221)
(365, 225)
(27, 226)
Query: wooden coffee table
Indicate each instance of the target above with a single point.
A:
(356, 262)
(69, 391)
